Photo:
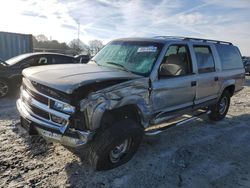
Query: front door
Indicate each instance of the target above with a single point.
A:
(177, 87)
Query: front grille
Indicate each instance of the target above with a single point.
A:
(36, 110)
(40, 105)
(39, 112)
(38, 97)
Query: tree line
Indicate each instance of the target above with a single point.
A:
(75, 46)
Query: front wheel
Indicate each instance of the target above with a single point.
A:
(115, 145)
(220, 109)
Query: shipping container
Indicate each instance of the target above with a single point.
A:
(13, 44)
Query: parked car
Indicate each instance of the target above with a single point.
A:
(128, 89)
(246, 63)
(83, 58)
(11, 70)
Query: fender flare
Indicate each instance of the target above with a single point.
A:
(100, 109)
(225, 84)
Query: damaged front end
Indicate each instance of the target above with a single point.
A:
(73, 120)
(133, 92)
(39, 115)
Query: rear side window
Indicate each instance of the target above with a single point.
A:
(205, 60)
(62, 60)
(230, 56)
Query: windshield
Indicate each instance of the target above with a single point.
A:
(134, 56)
(16, 59)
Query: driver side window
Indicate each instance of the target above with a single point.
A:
(177, 62)
(27, 63)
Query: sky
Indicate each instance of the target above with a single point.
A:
(227, 20)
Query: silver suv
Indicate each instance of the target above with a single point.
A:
(132, 87)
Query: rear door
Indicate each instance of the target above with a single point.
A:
(207, 79)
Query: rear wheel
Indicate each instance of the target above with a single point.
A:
(219, 110)
(115, 145)
(4, 88)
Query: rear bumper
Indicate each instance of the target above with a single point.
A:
(51, 132)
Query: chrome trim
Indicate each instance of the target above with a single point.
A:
(27, 113)
(84, 136)
(42, 106)
(32, 88)
(64, 140)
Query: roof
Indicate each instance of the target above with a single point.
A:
(152, 39)
(164, 39)
(46, 53)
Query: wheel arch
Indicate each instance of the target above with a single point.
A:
(129, 111)
(228, 85)
(231, 89)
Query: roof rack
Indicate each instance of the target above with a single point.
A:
(194, 39)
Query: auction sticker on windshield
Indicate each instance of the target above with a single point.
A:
(147, 49)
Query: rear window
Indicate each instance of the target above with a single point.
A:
(230, 56)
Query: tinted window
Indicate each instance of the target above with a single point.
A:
(27, 62)
(230, 56)
(205, 60)
(177, 61)
(62, 60)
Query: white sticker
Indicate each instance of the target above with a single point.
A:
(147, 49)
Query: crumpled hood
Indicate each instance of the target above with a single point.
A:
(67, 78)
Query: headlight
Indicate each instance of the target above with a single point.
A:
(66, 108)
(58, 120)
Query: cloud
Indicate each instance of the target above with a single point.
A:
(33, 14)
(110, 19)
(69, 26)
(241, 4)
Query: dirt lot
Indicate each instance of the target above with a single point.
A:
(198, 154)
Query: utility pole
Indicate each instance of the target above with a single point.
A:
(78, 35)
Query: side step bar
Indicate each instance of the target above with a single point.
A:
(156, 131)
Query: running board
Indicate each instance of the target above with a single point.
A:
(156, 131)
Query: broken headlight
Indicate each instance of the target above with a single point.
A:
(58, 120)
(63, 107)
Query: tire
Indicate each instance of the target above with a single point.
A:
(102, 150)
(4, 88)
(220, 109)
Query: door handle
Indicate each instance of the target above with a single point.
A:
(216, 78)
(193, 83)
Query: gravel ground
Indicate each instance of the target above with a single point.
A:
(197, 154)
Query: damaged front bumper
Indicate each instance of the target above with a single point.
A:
(51, 132)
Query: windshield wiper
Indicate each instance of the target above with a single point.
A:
(119, 65)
